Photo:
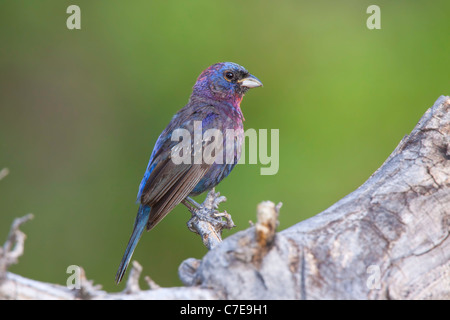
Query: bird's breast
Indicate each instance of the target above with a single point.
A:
(225, 160)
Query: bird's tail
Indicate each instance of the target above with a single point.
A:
(138, 229)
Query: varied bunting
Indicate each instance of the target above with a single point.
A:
(215, 104)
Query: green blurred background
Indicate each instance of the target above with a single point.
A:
(80, 111)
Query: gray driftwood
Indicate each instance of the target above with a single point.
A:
(389, 239)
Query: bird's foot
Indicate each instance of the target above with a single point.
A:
(207, 212)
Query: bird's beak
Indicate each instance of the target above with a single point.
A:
(250, 82)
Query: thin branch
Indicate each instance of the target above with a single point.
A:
(14, 245)
(207, 221)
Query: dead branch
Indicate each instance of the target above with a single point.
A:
(389, 239)
(14, 245)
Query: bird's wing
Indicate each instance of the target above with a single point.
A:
(181, 185)
(169, 183)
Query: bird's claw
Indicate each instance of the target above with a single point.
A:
(208, 212)
(228, 223)
(213, 199)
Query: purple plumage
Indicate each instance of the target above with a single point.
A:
(214, 105)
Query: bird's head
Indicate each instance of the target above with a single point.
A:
(225, 81)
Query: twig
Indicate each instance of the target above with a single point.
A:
(151, 284)
(267, 214)
(14, 245)
(208, 221)
(132, 285)
(87, 288)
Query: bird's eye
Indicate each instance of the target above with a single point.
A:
(229, 75)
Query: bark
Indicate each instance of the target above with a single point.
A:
(389, 239)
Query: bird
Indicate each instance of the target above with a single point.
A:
(214, 104)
